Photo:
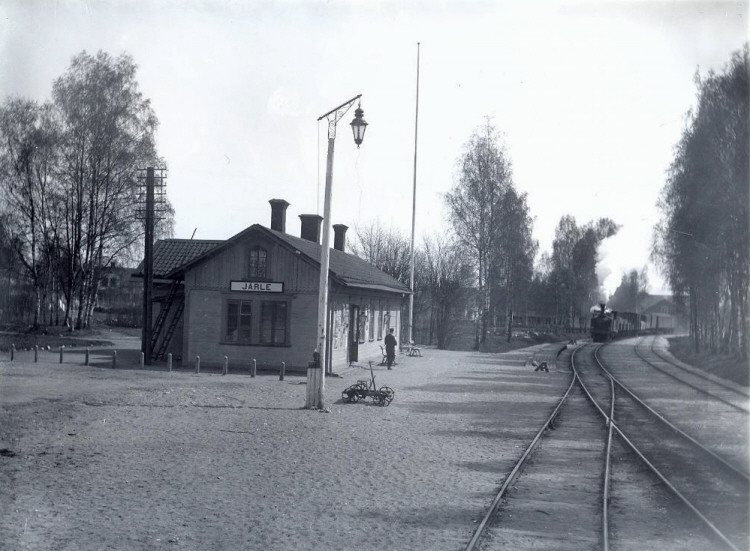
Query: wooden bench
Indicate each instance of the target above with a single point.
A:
(411, 350)
(415, 351)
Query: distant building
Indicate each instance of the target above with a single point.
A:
(255, 296)
(661, 311)
(118, 290)
(657, 304)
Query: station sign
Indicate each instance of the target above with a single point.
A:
(257, 286)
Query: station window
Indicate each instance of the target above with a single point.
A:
(273, 322)
(239, 321)
(257, 262)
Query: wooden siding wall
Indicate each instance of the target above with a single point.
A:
(206, 325)
(372, 306)
(232, 264)
(207, 288)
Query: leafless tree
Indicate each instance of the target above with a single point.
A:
(29, 141)
(385, 248)
(484, 176)
(632, 289)
(573, 276)
(108, 134)
(445, 277)
(68, 179)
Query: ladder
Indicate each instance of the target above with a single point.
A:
(170, 330)
(163, 313)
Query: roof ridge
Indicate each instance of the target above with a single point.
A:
(182, 240)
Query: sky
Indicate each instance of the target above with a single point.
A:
(590, 98)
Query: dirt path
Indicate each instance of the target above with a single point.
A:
(95, 458)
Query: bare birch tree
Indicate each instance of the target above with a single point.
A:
(28, 155)
(484, 174)
(108, 133)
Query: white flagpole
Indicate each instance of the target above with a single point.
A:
(414, 211)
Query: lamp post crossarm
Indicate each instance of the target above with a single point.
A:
(336, 114)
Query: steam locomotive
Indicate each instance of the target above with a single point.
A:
(603, 325)
(607, 325)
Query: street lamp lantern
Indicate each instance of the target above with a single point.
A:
(359, 125)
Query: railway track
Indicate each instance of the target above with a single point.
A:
(557, 500)
(730, 394)
(712, 414)
(583, 486)
(714, 490)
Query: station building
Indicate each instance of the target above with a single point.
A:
(255, 296)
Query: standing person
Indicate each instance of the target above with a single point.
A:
(390, 348)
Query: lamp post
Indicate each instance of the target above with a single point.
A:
(316, 373)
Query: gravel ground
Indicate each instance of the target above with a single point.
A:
(94, 458)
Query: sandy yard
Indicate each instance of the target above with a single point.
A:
(93, 458)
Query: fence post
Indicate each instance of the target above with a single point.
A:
(88, 351)
(62, 352)
(226, 365)
(169, 362)
(254, 368)
(197, 364)
(281, 373)
(36, 353)
(114, 358)
(12, 351)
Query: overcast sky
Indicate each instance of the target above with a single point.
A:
(590, 98)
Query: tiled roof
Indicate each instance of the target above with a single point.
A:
(170, 254)
(351, 270)
(174, 256)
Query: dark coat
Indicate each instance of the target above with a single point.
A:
(390, 344)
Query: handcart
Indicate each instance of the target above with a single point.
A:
(366, 389)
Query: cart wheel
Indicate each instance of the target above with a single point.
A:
(350, 395)
(388, 394)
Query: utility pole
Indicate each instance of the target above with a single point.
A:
(148, 266)
(148, 213)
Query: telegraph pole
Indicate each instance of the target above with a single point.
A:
(148, 266)
(148, 213)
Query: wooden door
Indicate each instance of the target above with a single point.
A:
(353, 333)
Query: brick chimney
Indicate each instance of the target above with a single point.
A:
(278, 214)
(310, 227)
(339, 237)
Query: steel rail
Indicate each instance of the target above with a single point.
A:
(472, 545)
(607, 469)
(686, 502)
(689, 384)
(703, 376)
(706, 376)
(664, 420)
(607, 464)
(676, 492)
